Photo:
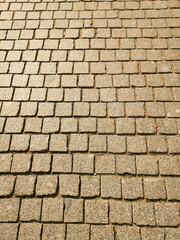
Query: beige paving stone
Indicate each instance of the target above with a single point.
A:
(78, 143)
(83, 163)
(8, 231)
(102, 232)
(5, 163)
(125, 164)
(73, 210)
(41, 163)
(6, 185)
(20, 142)
(132, 188)
(52, 210)
(39, 143)
(147, 165)
(90, 186)
(172, 186)
(69, 185)
(130, 233)
(30, 209)
(21, 163)
(172, 233)
(96, 211)
(120, 212)
(58, 143)
(143, 214)
(46, 185)
(167, 214)
(25, 185)
(62, 163)
(97, 143)
(105, 164)
(29, 231)
(152, 233)
(9, 210)
(78, 231)
(51, 231)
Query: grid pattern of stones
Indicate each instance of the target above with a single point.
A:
(89, 119)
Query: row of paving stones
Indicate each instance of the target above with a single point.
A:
(89, 81)
(89, 164)
(91, 125)
(128, 188)
(141, 94)
(93, 143)
(97, 109)
(94, 5)
(84, 231)
(96, 211)
(17, 39)
(88, 56)
(84, 68)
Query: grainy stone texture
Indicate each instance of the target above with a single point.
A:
(89, 119)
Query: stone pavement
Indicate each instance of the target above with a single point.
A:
(90, 120)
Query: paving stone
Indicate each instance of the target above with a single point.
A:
(46, 185)
(168, 165)
(156, 144)
(120, 212)
(147, 165)
(20, 142)
(116, 144)
(5, 163)
(58, 143)
(6, 185)
(105, 126)
(172, 187)
(69, 185)
(30, 210)
(52, 210)
(132, 188)
(131, 233)
(62, 163)
(125, 126)
(78, 143)
(33, 125)
(167, 214)
(25, 185)
(14, 125)
(96, 211)
(105, 164)
(143, 214)
(152, 233)
(41, 163)
(83, 163)
(97, 143)
(9, 210)
(21, 163)
(125, 164)
(102, 232)
(8, 231)
(39, 143)
(51, 231)
(10, 109)
(78, 231)
(73, 210)
(5, 142)
(87, 125)
(69, 125)
(136, 145)
(29, 231)
(172, 233)
(90, 186)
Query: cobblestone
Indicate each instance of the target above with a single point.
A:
(89, 120)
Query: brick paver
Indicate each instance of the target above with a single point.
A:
(89, 119)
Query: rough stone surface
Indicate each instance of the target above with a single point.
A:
(89, 119)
